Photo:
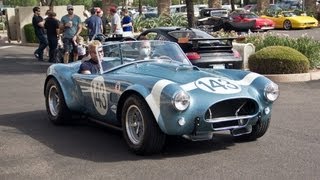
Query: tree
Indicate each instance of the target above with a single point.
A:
(190, 13)
(262, 5)
(310, 6)
(214, 3)
(163, 6)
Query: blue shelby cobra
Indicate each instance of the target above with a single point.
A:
(162, 94)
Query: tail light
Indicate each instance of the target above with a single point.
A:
(236, 54)
(193, 56)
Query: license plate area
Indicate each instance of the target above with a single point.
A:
(218, 66)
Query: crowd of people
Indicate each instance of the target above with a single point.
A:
(49, 30)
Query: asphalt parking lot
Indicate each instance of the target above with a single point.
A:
(32, 148)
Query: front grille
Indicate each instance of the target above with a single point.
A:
(232, 113)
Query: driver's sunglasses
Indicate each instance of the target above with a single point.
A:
(70, 9)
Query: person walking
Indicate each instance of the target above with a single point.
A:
(116, 28)
(52, 27)
(94, 23)
(38, 24)
(126, 24)
(71, 26)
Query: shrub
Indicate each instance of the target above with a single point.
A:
(30, 34)
(306, 45)
(278, 60)
(141, 23)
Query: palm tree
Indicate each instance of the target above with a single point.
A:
(214, 3)
(163, 6)
(310, 6)
(190, 13)
(262, 5)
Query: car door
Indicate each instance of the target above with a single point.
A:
(95, 96)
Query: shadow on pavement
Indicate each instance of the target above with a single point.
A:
(20, 60)
(99, 144)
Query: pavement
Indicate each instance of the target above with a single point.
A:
(301, 77)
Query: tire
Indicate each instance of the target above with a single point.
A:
(57, 109)
(287, 25)
(140, 130)
(258, 131)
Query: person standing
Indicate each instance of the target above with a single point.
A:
(38, 24)
(94, 23)
(126, 24)
(71, 25)
(116, 28)
(52, 27)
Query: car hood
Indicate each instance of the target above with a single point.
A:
(263, 20)
(182, 74)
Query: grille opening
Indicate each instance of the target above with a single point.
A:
(232, 108)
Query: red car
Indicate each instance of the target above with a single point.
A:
(261, 24)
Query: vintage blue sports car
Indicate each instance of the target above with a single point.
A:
(149, 97)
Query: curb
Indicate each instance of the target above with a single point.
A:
(301, 77)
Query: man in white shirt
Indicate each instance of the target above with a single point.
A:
(115, 22)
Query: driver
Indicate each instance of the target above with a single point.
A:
(145, 50)
(92, 66)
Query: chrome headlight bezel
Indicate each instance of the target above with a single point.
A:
(271, 92)
(181, 100)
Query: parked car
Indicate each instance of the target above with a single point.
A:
(216, 19)
(212, 24)
(148, 99)
(213, 12)
(202, 49)
(290, 20)
(261, 24)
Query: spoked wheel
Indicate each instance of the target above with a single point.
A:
(287, 25)
(57, 109)
(140, 129)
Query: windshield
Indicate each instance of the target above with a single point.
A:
(289, 14)
(120, 53)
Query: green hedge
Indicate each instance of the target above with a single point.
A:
(278, 60)
(30, 34)
(304, 44)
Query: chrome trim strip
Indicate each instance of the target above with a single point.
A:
(229, 118)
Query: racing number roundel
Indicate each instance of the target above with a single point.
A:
(99, 95)
(218, 85)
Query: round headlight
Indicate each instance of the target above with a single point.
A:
(181, 101)
(271, 92)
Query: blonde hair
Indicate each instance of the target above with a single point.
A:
(80, 40)
(93, 45)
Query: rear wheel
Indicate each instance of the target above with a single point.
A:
(57, 109)
(258, 131)
(140, 128)
(287, 25)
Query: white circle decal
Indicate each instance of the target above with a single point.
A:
(99, 95)
(218, 85)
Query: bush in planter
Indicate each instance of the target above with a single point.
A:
(278, 60)
(304, 44)
(30, 34)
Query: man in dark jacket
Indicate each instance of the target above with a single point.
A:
(52, 27)
(38, 24)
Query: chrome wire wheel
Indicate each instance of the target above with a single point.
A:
(53, 100)
(134, 124)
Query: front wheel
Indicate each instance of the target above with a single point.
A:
(140, 128)
(57, 109)
(287, 25)
(258, 131)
